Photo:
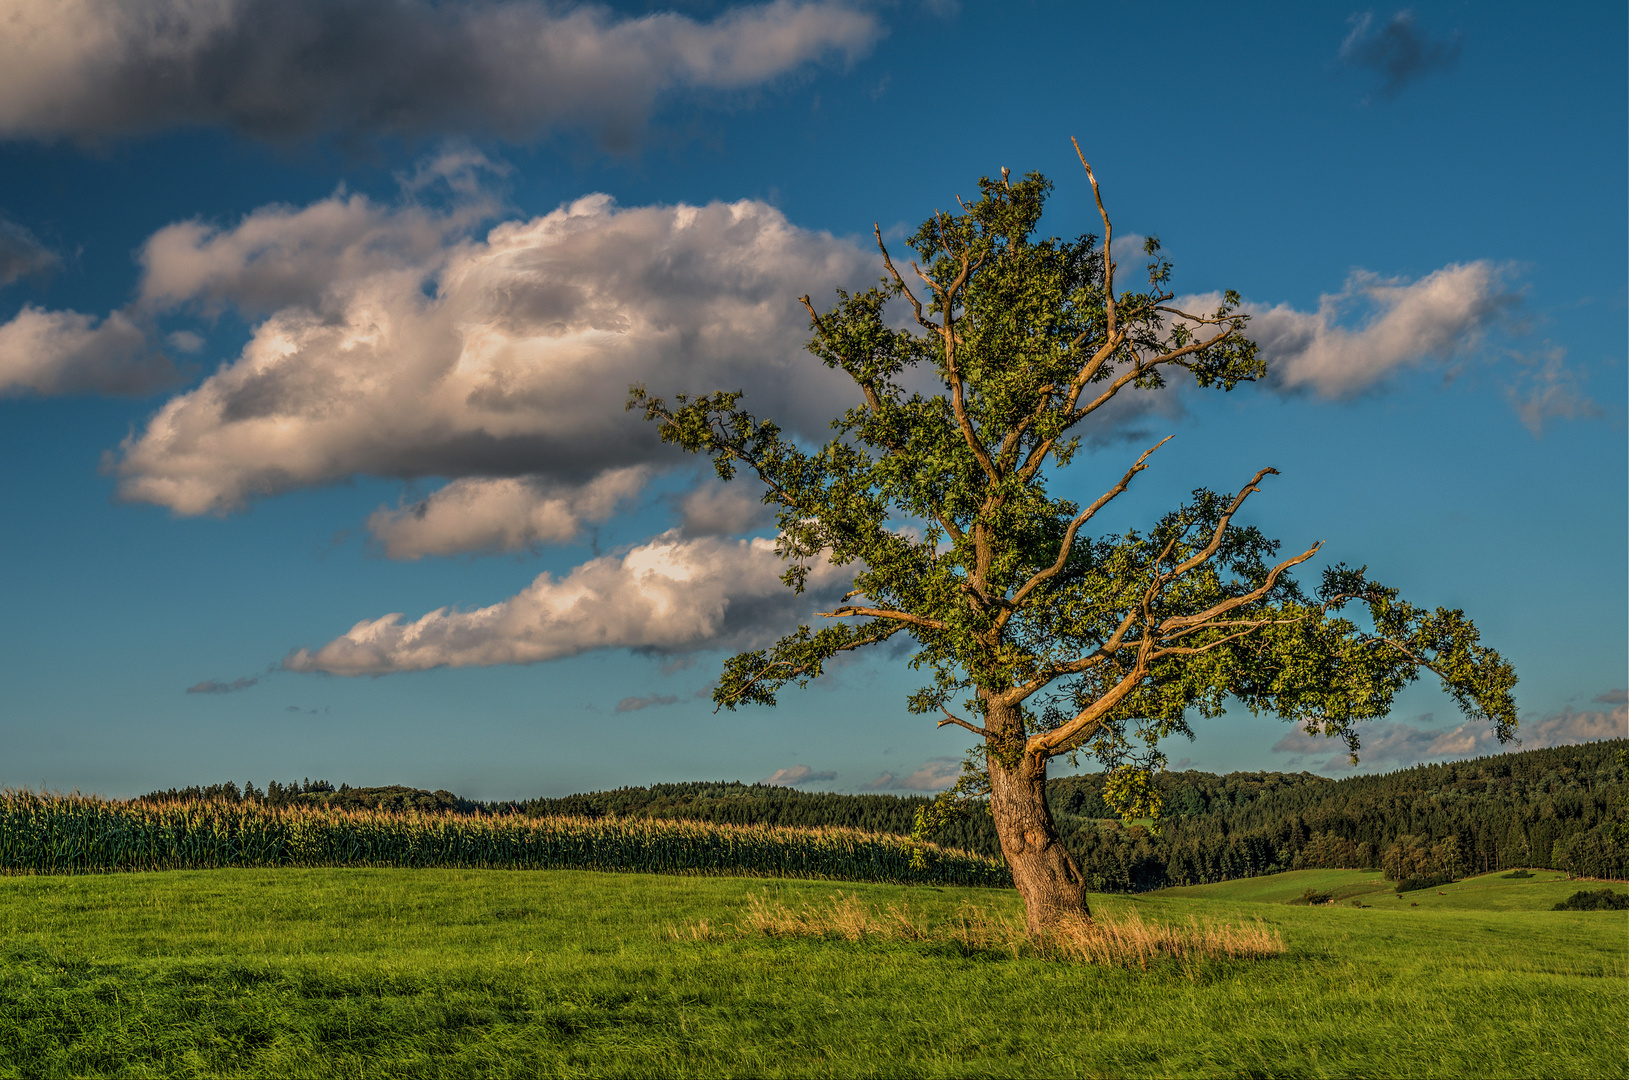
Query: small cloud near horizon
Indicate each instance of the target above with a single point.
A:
(935, 775)
(797, 774)
(1619, 696)
(1398, 745)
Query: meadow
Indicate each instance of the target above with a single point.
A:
(457, 972)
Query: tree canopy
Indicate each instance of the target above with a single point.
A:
(1037, 636)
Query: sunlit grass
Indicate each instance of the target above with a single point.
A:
(508, 973)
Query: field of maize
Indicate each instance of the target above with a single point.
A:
(73, 834)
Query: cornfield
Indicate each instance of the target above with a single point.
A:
(73, 834)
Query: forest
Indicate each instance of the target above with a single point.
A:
(1554, 808)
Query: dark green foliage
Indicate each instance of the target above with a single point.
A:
(1312, 897)
(1415, 884)
(1597, 900)
(394, 797)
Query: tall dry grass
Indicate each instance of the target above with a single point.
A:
(1124, 941)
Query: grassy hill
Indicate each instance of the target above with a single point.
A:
(1486, 892)
(439, 973)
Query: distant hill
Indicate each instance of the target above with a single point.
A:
(1548, 808)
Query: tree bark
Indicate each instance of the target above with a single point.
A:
(1042, 869)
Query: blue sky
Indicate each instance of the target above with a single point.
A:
(314, 313)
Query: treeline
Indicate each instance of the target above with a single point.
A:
(1550, 808)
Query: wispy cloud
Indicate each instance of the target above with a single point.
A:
(634, 704)
(1548, 388)
(797, 774)
(284, 69)
(1394, 744)
(1612, 697)
(936, 775)
(21, 254)
(1398, 50)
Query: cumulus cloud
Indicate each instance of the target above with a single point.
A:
(797, 774)
(65, 352)
(284, 69)
(1397, 50)
(936, 775)
(671, 595)
(289, 68)
(503, 514)
(394, 345)
(1398, 324)
(1619, 696)
(634, 704)
(723, 509)
(1395, 744)
(216, 686)
(21, 254)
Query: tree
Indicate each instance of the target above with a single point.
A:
(1047, 640)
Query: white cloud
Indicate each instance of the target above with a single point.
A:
(504, 514)
(797, 774)
(669, 595)
(1393, 744)
(936, 775)
(396, 347)
(65, 352)
(289, 68)
(1400, 324)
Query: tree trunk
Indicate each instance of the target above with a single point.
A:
(1042, 869)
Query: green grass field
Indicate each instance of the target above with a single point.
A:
(1488, 892)
(462, 972)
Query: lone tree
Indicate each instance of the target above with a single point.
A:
(1045, 640)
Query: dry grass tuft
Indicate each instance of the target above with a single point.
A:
(1127, 941)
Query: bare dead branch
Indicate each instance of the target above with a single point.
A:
(1204, 617)
(916, 305)
(871, 398)
(1221, 527)
(1080, 519)
(1108, 241)
(959, 722)
(846, 611)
